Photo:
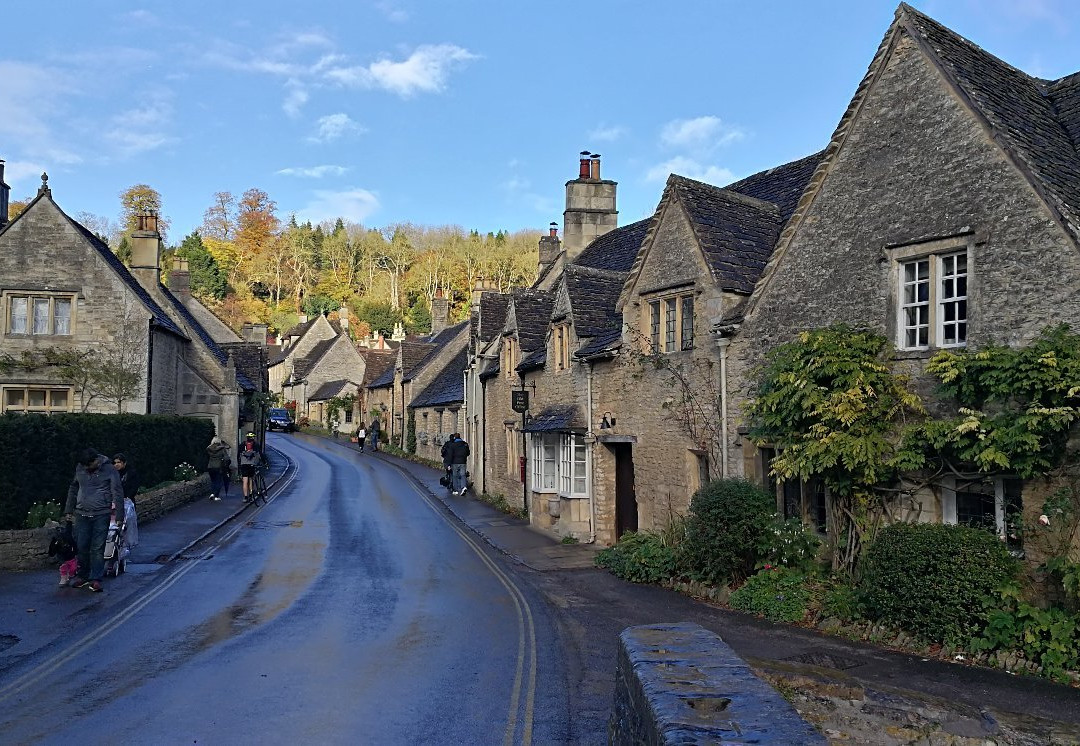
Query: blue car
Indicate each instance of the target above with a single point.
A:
(280, 420)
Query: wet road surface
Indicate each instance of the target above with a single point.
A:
(350, 609)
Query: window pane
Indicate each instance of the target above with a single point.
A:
(18, 315)
(15, 397)
(58, 399)
(688, 322)
(915, 303)
(62, 316)
(953, 301)
(975, 509)
(669, 325)
(41, 316)
(36, 398)
(654, 325)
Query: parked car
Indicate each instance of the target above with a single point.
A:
(280, 420)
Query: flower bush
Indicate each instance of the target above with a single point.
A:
(184, 472)
(639, 558)
(776, 593)
(791, 543)
(43, 512)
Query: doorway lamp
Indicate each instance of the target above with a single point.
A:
(607, 421)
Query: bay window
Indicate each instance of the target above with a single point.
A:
(560, 464)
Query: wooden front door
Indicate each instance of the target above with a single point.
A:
(626, 515)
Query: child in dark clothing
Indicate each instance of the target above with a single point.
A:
(62, 547)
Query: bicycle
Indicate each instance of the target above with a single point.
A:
(258, 488)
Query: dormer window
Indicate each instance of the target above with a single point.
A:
(509, 357)
(670, 321)
(561, 343)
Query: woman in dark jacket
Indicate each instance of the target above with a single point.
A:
(129, 478)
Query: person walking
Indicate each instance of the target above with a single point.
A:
(459, 457)
(129, 478)
(448, 477)
(361, 435)
(95, 492)
(374, 428)
(249, 459)
(217, 464)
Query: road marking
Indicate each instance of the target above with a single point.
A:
(49, 666)
(526, 624)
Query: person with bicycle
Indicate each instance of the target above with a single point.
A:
(249, 459)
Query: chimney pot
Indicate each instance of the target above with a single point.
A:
(553, 229)
(594, 167)
(5, 196)
(583, 165)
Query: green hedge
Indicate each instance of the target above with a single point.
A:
(40, 452)
(639, 558)
(727, 531)
(934, 580)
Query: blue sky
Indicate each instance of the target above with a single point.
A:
(445, 111)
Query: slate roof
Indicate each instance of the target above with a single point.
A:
(204, 336)
(436, 343)
(376, 362)
(533, 360)
(593, 295)
(330, 389)
(781, 185)
(736, 233)
(413, 357)
(616, 249)
(602, 345)
(250, 361)
(560, 418)
(448, 387)
(490, 370)
(299, 329)
(1024, 111)
(492, 315)
(386, 378)
(304, 365)
(532, 310)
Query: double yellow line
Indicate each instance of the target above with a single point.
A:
(526, 629)
(49, 666)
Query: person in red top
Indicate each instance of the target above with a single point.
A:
(249, 459)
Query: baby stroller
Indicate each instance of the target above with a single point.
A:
(123, 535)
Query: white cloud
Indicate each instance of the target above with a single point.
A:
(605, 133)
(23, 177)
(335, 126)
(699, 135)
(392, 11)
(692, 169)
(142, 128)
(312, 172)
(295, 98)
(425, 70)
(353, 204)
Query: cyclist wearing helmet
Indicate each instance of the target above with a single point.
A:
(249, 459)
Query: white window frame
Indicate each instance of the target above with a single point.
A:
(948, 504)
(937, 254)
(47, 408)
(573, 451)
(564, 452)
(545, 451)
(50, 321)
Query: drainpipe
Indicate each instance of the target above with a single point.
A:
(483, 436)
(723, 344)
(590, 444)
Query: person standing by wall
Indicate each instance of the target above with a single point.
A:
(217, 465)
(459, 457)
(95, 492)
(129, 478)
(374, 428)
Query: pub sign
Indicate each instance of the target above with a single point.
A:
(519, 401)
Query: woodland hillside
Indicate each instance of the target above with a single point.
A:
(248, 263)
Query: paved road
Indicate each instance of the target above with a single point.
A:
(350, 609)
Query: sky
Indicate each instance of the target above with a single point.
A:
(461, 112)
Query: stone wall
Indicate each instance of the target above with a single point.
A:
(680, 683)
(28, 549)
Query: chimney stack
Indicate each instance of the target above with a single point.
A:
(583, 165)
(146, 250)
(254, 333)
(549, 247)
(180, 280)
(5, 197)
(590, 207)
(440, 312)
(343, 318)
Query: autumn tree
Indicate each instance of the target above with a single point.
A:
(256, 231)
(138, 199)
(219, 220)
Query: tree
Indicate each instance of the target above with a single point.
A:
(395, 260)
(16, 207)
(118, 363)
(207, 278)
(102, 227)
(380, 317)
(219, 220)
(257, 227)
(138, 199)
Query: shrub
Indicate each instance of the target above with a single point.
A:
(727, 525)
(639, 558)
(41, 513)
(932, 580)
(776, 593)
(791, 543)
(1050, 637)
(840, 600)
(184, 472)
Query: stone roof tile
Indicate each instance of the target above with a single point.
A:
(616, 249)
(448, 386)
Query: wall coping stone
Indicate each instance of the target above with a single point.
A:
(680, 683)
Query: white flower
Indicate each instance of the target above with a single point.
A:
(1044, 520)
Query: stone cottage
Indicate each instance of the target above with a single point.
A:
(66, 294)
(945, 215)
